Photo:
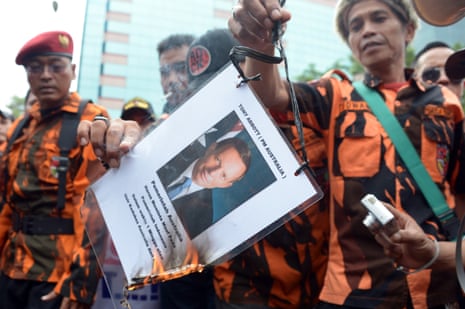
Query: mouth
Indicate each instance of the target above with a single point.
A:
(46, 89)
(370, 45)
(167, 95)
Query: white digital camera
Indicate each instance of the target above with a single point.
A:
(379, 219)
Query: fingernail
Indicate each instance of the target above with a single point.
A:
(83, 141)
(276, 13)
(98, 152)
(113, 163)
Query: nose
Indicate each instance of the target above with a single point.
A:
(443, 79)
(175, 77)
(368, 29)
(46, 72)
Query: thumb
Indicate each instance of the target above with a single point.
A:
(49, 296)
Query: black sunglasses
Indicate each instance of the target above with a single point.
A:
(432, 75)
(178, 67)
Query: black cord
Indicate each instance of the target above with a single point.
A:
(239, 52)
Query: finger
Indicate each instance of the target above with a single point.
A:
(413, 237)
(122, 135)
(396, 251)
(391, 249)
(264, 13)
(250, 23)
(132, 134)
(65, 303)
(383, 240)
(401, 217)
(249, 36)
(83, 132)
(49, 296)
(276, 12)
(97, 137)
(113, 137)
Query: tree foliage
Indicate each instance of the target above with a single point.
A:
(350, 66)
(16, 106)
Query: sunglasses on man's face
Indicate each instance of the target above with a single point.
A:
(432, 75)
(179, 67)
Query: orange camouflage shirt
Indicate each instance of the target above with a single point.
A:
(361, 160)
(285, 269)
(32, 191)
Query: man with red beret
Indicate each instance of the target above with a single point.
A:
(45, 257)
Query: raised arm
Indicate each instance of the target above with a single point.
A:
(251, 23)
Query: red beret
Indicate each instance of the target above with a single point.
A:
(48, 43)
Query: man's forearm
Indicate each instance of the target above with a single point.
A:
(271, 88)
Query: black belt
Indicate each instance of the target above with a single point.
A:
(34, 225)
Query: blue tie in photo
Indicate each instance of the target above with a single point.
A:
(177, 188)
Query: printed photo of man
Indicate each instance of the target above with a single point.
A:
(198, 171)
(216, 173)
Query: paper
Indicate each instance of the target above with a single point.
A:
(158, 237)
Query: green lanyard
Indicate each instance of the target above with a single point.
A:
(409, 155)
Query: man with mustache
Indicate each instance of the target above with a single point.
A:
(46, 260)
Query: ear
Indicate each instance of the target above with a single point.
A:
(409, 33)
(73, 68)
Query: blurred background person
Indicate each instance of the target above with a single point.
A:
(429, 70)
(204, 57)
(172, 53)
(429, 67)
(6, 119)
(141, 111)
(29, 99)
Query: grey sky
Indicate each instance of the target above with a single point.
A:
(21, 20)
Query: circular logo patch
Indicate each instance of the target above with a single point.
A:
(199, 60)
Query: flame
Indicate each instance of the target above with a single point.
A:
(191, 264)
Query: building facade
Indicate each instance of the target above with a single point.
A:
(452, 35)
(119, 58)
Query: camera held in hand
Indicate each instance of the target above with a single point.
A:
(379, 219)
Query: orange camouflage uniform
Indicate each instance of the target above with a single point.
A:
(64, 259)
(286, 269)
(361, 160)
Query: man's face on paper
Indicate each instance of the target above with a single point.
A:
(218, 168)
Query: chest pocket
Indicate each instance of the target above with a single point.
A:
(358, 144)
(437, 140)
(42, 148)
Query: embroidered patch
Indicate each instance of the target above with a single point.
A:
(64, 41)
(199, 60)
(54, 167)
(442, 158)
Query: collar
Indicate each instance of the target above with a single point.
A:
(373, 81)
(69, 104)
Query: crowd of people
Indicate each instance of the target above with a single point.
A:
(324, 257)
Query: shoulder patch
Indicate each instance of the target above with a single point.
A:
(199, 60)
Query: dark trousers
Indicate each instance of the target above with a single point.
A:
(323, 305)
(26, 294)
(194, 291)
(222, 305)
